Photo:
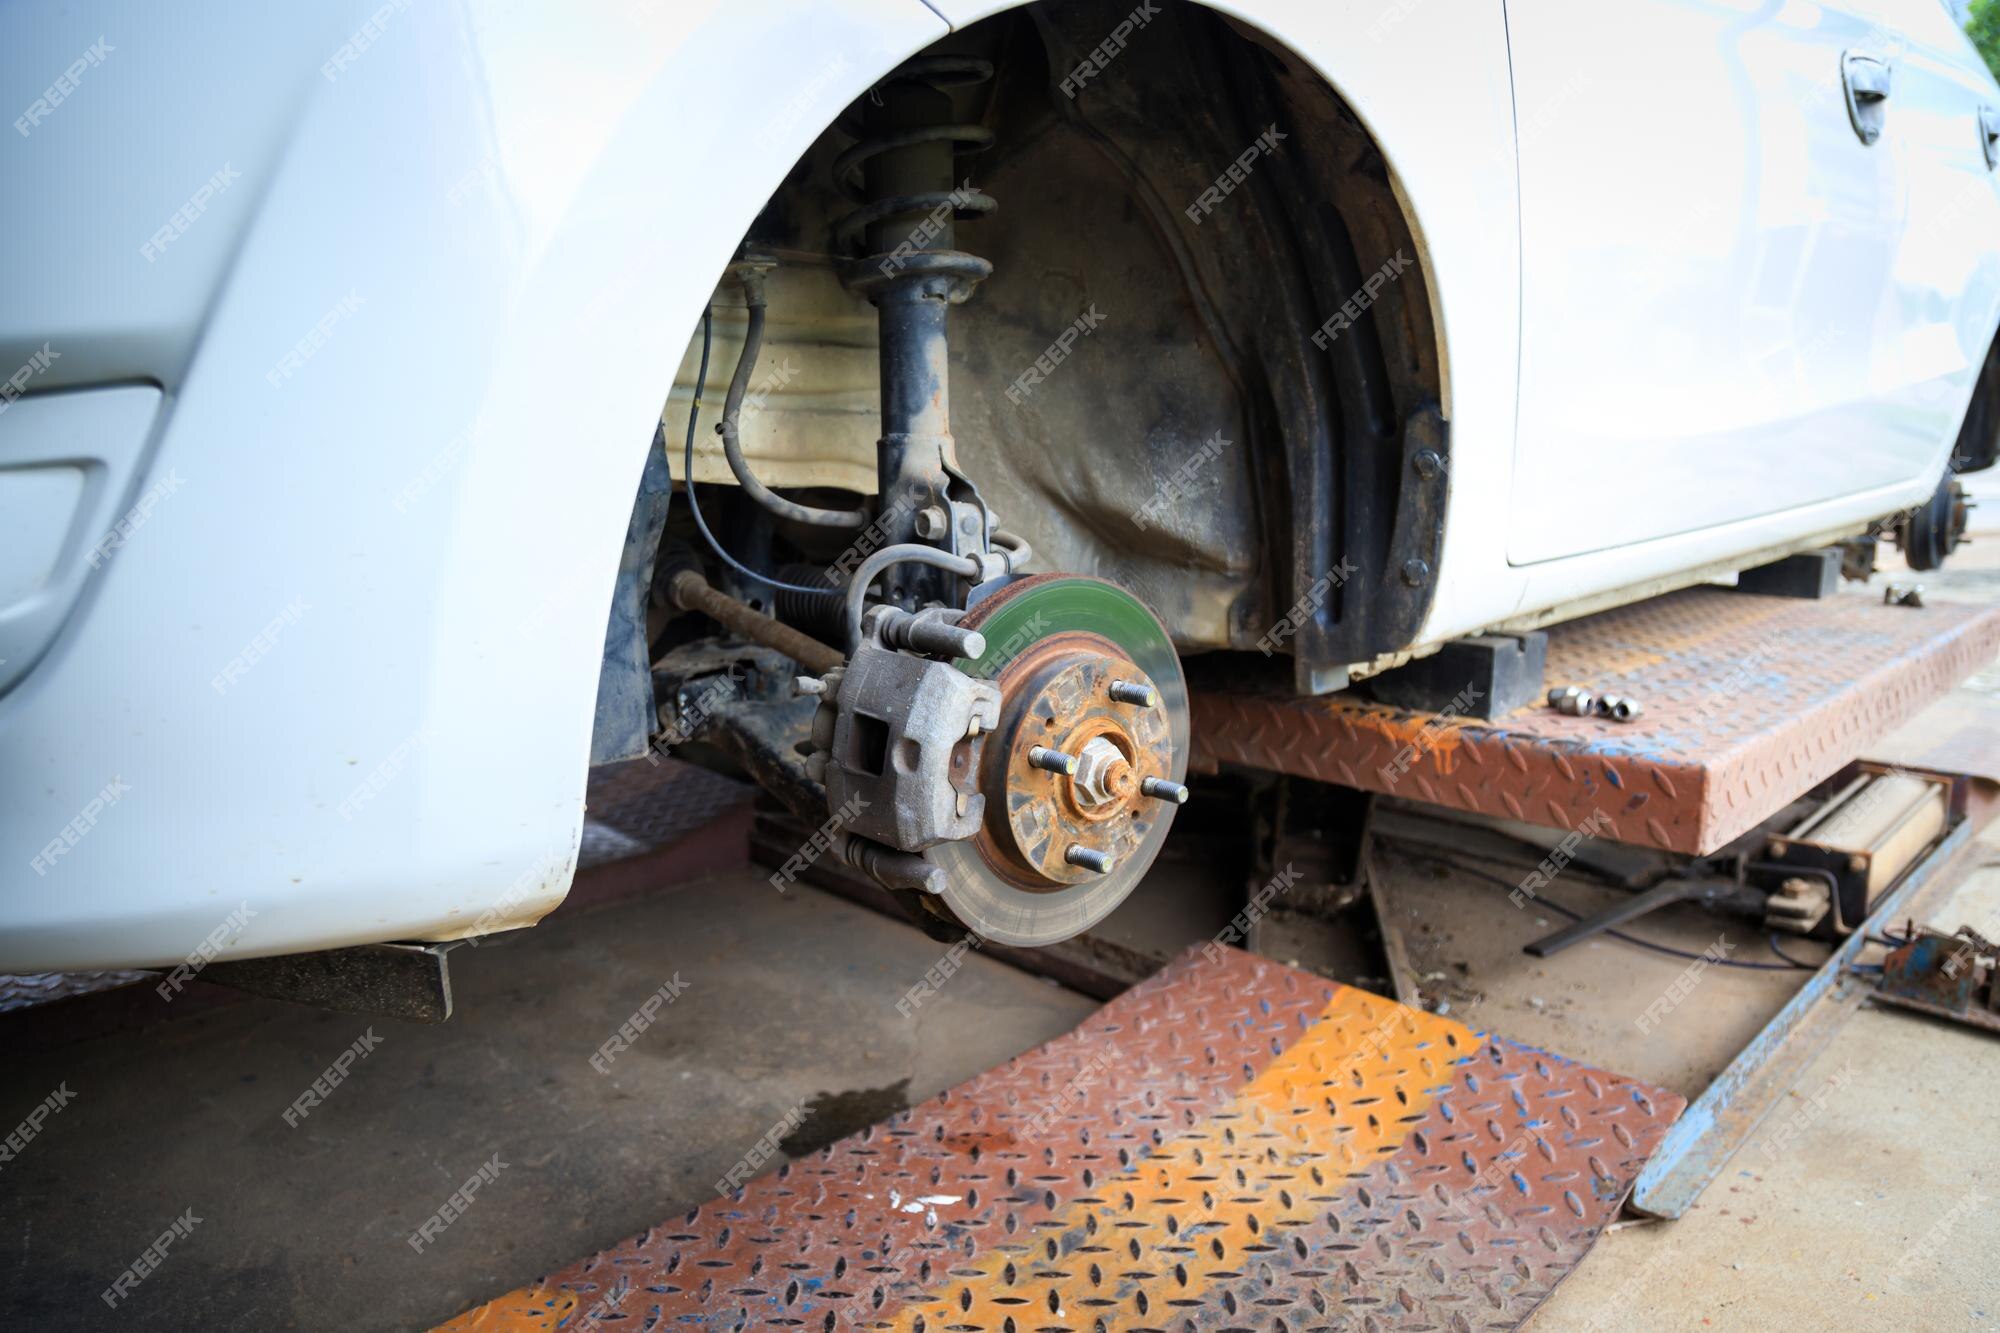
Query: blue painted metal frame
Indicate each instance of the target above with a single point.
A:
(1723, 1118)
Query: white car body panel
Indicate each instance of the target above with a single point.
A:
(519, 200)
(1732, 232)
(411, 361)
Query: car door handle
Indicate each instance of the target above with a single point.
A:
(1869, 80)
(1989, 135)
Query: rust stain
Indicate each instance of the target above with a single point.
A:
(1412, 736)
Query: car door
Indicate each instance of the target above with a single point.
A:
(1712, 324)
(1945, 113)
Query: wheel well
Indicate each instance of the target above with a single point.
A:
(1205, 365)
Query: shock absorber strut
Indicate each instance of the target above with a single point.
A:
(902, 174)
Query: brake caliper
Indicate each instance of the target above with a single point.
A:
(896, 740)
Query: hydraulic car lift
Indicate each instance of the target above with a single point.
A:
(1238, 1143)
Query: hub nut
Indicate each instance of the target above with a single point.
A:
(1102, 774)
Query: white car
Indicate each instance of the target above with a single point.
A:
(341, 343)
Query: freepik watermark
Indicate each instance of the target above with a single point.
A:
(536, 879)
(1054, 355)
(776, 379)
(259, 647)
(78, 828)
(998, 658)
(150, 1259)
(1559, 857)
(1967, 953)
(330, 1078)
(607, 1305)
(1237, 175)
(362, 38)
(1067, 1098)
(377, 781)
(1726, 694)
(1178, 484)
(928, 229)
(135, 518)
(934, 977)
(762, 1151)
(805, 96)
(66, 83)
(204, 953)
(1255, 910)
(823, 840)
(1933, 1239)
(1774, 1144)
(1354, 307)
(26, 1132)
(696, 706)
(18, 382)
(1430, 735)
(1306, 607)
(642, 1018)
(1392, 18)
(441, 462)
(455, 1204)
(188, 213)
(1099, 57)
(872, 539)
(292, 362)
(1683, 985)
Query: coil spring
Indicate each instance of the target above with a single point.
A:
(939, 73)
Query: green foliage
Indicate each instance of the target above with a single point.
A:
(1984, 25)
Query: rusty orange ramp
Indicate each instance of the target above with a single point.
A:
(1749, 702)
(1232, 1144)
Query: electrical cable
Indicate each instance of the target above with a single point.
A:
(694, 502)
(1772, 944)
(1560, 910)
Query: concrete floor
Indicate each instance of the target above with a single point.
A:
(788, 999)
(1873, 1204)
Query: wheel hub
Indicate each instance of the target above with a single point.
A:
(1067, 763)
(1082, 776)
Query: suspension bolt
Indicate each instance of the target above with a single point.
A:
(1162, 790)
(931, 523)
(1052, 761)
(1130, 692)
(1089, 858)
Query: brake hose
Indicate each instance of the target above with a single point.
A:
(732, 440)
(694, 501)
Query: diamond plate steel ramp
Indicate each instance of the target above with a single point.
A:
(1749, 702)
(1232, 1144)
(644, 805)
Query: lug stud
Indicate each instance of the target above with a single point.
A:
(1089, 858)
(1130, 692)
(1162, 790)
(1052, 761)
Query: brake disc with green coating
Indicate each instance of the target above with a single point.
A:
(1058, 851)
